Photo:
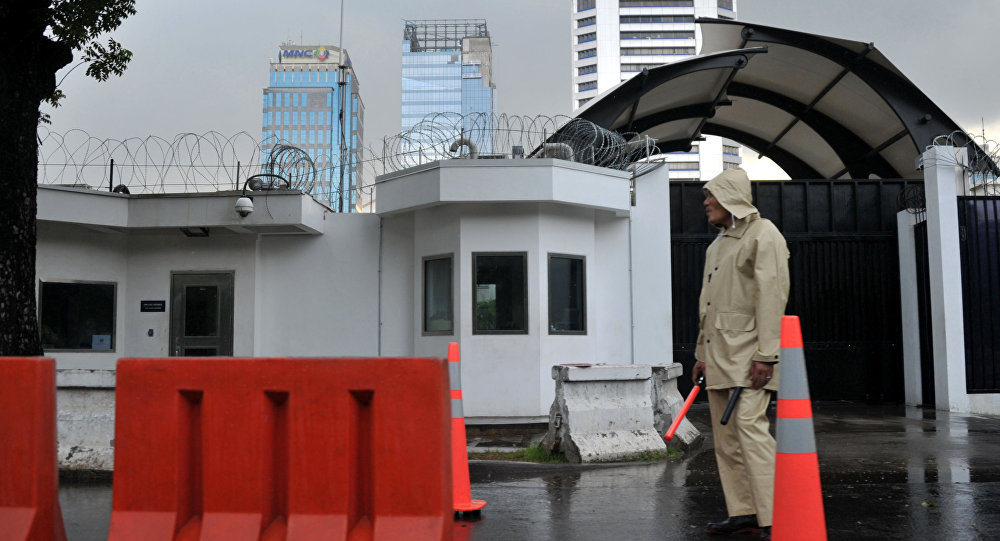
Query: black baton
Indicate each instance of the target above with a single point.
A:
(731, 404)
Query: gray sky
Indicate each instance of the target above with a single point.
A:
(200, 66)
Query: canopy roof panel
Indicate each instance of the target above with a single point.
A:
(819, 107)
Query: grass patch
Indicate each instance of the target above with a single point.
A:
(535, 453)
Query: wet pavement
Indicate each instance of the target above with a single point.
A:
(888, 472)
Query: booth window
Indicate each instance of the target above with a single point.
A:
(437, 295)
(567, 295)
(77, 315)
(500, 293)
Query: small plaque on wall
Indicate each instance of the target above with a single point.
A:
(152, 306)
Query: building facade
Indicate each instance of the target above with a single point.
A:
(614, 40)
(309, 86)
(173, 275)
(447, 68)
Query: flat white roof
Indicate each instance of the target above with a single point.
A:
(503, 181)
(276, 212)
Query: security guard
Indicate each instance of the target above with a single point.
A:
(743, 294)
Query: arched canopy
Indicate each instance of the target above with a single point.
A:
(819, 107)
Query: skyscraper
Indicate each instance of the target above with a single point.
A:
(613, 40)
(447, 68)
(309, 85)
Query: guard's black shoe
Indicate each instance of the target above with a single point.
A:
(765, 533)
(735, 525)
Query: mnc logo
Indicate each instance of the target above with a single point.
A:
(320, 54)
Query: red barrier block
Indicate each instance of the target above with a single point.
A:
(282, 449)
(29, 480)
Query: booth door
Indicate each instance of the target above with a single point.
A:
(201, 314)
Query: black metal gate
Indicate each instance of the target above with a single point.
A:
(844, 278)
(924, 315)
(979, 230)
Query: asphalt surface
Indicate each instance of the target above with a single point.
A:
(887, 472)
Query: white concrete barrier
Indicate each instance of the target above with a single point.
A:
(85, 423)
(603, 413)
(667, 402)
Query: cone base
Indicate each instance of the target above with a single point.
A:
(471, 505)
(798, 498)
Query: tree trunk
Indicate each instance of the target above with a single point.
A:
(28, 77)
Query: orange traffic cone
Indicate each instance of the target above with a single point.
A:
(461, 493)
(798, 499)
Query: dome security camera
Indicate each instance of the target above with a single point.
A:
(244, 206)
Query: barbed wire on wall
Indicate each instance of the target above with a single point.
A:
(912, 199)
(193, 163)
(292, 164)
(595, 145)
(503, 136)
(492, 136)
(188, 162)
(980, 162)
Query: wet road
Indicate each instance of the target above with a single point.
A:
(887, 473)
(643, 502)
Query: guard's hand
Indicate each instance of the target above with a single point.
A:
(697, 371)
(760, 374)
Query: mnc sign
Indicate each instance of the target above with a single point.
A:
(320, 53)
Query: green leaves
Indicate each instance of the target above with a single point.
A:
(106, 61)
(80, 24)
(53, 100)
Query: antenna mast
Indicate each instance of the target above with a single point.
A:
(343, 84)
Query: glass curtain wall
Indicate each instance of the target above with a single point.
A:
(301, 108)
(477, 97)
(432, 83)
(438, 78)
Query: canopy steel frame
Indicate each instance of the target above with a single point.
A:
(920, 121)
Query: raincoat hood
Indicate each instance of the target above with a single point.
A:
(732, 189)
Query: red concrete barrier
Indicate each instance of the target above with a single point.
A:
(292, 449)
(29, 480)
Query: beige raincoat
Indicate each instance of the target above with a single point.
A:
(743, 291)
(743, 295)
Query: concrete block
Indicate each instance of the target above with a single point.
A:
(102, 379)
(602, 413)
(85, 420)
(667, 402)
(602, 372)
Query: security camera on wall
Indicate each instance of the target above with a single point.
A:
(244, 206)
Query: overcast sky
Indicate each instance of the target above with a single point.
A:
(200, 66)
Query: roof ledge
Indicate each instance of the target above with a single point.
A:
(277, 212)
(503, 181)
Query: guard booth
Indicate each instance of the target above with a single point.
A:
(850, 130)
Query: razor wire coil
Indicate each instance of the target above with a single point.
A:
(211, 161)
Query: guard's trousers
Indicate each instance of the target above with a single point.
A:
(744, 451)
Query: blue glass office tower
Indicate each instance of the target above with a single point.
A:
(302, 108)
(447, 68)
